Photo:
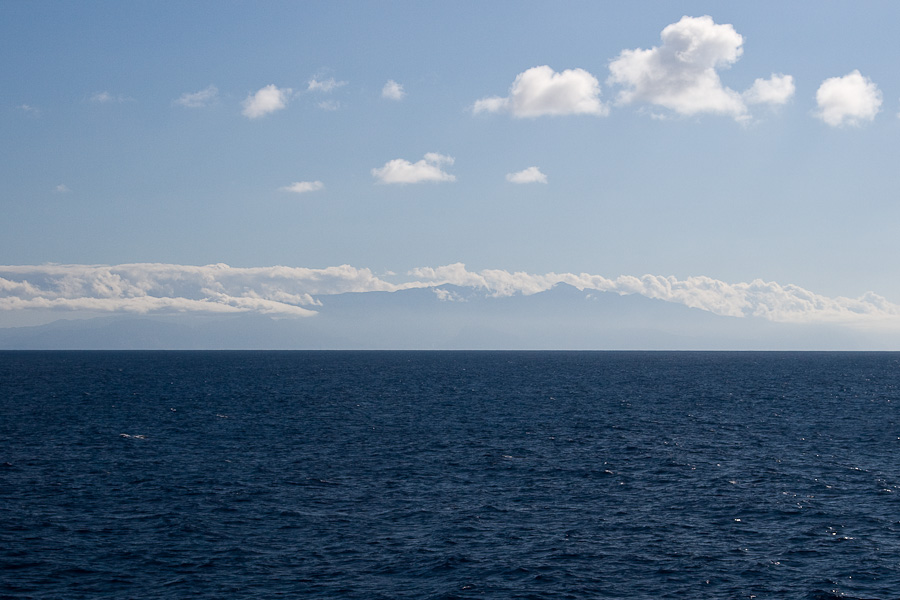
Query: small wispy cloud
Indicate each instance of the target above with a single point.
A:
(108, 98)
(200, 99)
(302, 187)
(62, 189)
(401, 170)
(329, 105)
(267, 100)
(32, 111)
(325, 85)
(393, 90)
(529, 175)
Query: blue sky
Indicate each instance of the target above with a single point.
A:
(131, 135)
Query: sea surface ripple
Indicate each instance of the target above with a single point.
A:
(442, 475)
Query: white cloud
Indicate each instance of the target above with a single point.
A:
(295, 291)
(301, 187)
(767, 300)
(447, 295)
(402, 171)
(199, 99)
(164, 288)
(778, 89)
(541, 91)
(682, 73)
(329, 105)
(62, 189)
(848, 100)
(393, 90)
(325, 86)
(106, 98)
(529, 175)
(30, 110)
(265, 101)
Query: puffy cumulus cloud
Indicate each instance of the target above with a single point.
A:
(529, 175)
(682, 74)
(165, 288)
(393, 90)
(199, 99)
(848, 100)
(429, 168)
(265, 101)
(778, 89)
(767, 300)
(326, 85)
(541, 91)
(301, 187)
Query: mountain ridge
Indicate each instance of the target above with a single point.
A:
(445, 317)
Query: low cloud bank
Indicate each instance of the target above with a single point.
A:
(298, 292)
(155, 288)
(769, 300)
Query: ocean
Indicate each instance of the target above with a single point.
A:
(442, 475)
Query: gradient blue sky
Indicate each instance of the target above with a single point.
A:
(100, 164)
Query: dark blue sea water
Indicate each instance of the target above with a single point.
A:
(401, 475)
